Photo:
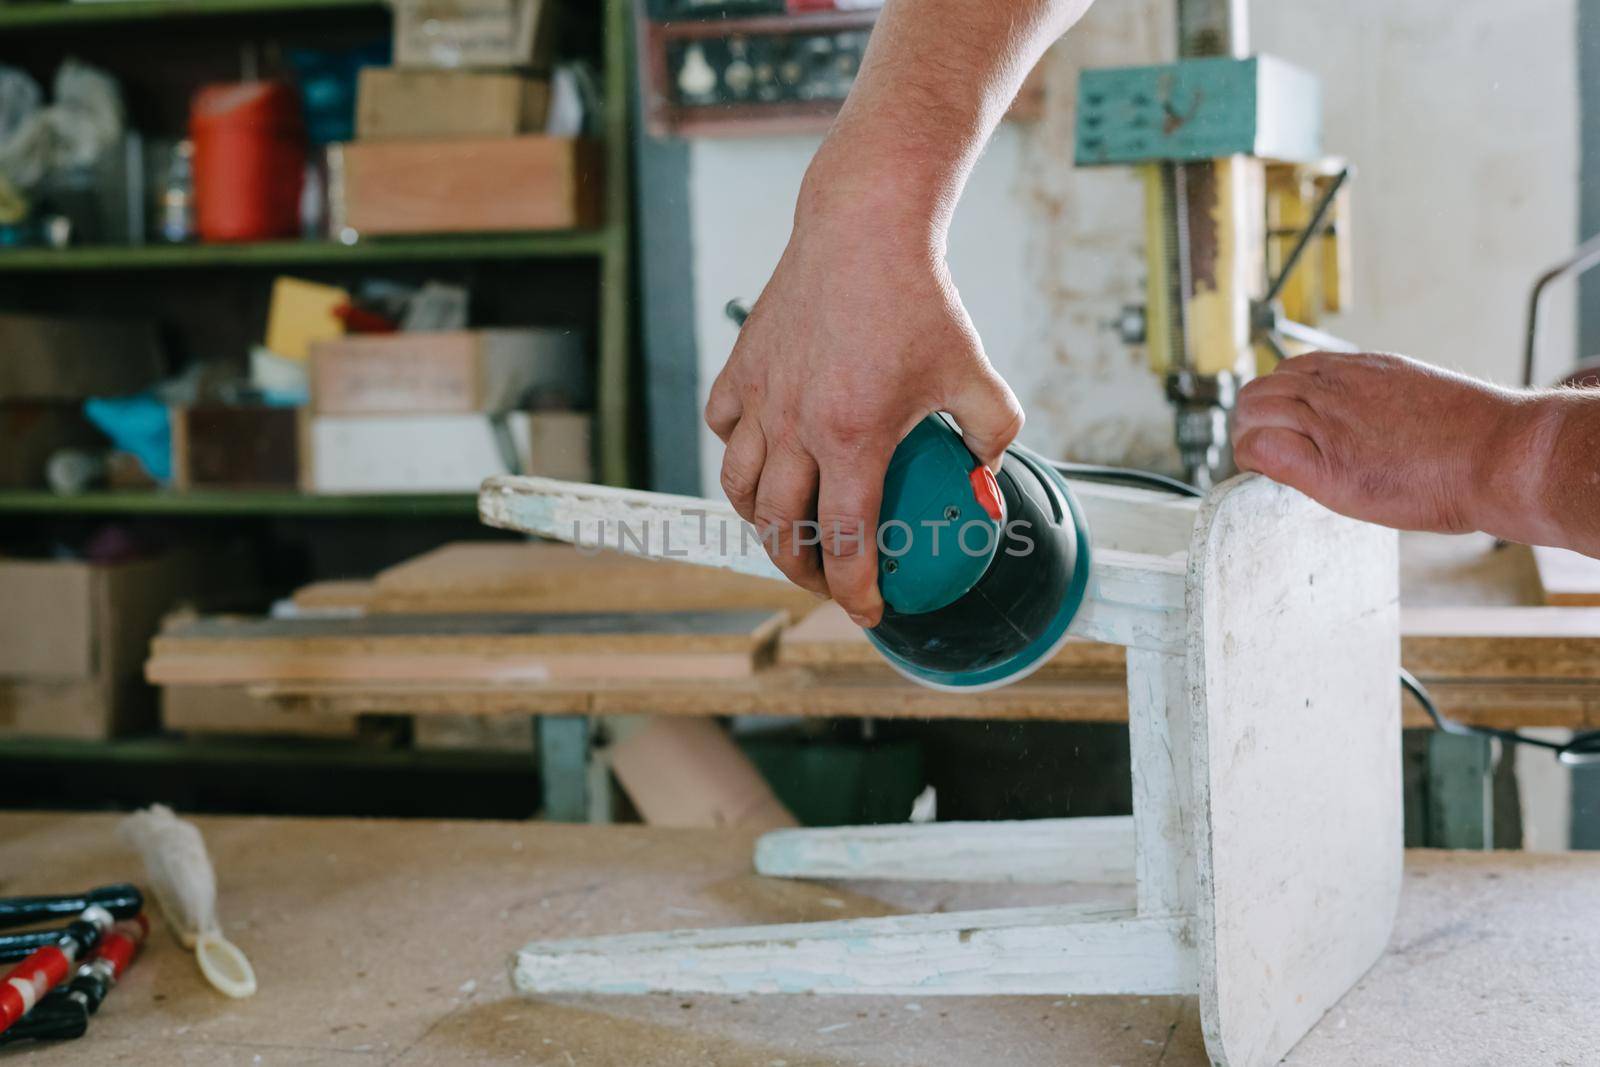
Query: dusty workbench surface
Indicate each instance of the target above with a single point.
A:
(382, 942)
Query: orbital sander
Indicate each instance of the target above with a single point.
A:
(981, 573)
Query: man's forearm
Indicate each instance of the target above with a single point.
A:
(936, 80)
(1554, 453)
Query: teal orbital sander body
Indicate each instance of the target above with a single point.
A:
(981, 573)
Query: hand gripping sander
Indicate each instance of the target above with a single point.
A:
(981, 573)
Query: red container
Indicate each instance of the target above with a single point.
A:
(249, 160)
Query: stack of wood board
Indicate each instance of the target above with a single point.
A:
(1497, 665)
(479, 576)
(508, 649)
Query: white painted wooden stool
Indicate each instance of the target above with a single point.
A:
(1265, 844)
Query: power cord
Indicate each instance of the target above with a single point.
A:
(1091, 472)
(1584, 748)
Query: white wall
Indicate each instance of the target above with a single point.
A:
(1461, 116)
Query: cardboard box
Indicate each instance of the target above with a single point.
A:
(47, 358)
(561, 444)
(73, 640)
(468, 185)
(302, 312)
(448, 373)
(90, 709)
(236, 447)
(415, 453)
(394, 104)
(466, 34)
(31, 432)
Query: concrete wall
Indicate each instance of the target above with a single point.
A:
(1461, 115)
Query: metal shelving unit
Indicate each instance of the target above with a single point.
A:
(558, 245)
(67, 14)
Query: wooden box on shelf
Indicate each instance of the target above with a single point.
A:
(469, 185)
(394, 104)
(418, 453)
(473, 34)
(449, 372)
(236, 447)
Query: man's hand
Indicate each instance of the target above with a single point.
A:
(1396, 442)
(858, 335)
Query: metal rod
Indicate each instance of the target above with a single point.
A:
(1583, 258)
(1307, 335)
(1319, 219)
(1273, 342)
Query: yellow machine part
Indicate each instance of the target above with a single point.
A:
(1320, 285)
(1224, 211)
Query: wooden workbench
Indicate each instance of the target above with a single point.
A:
(386, 942)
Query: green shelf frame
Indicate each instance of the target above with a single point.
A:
(564, 244)
(238, 503)
(14, 16)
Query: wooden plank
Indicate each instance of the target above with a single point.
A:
(195, 709)
(1438, 570)
(350, 595)
(772, 692)
(478, 576)
(1296, 746)
(1510, 643)
(688, 772)
(790, 693)
(463, 648)
(827, 641)
(1133, 599)
(1042, 851)
(1568, 579)
(1063, 950)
